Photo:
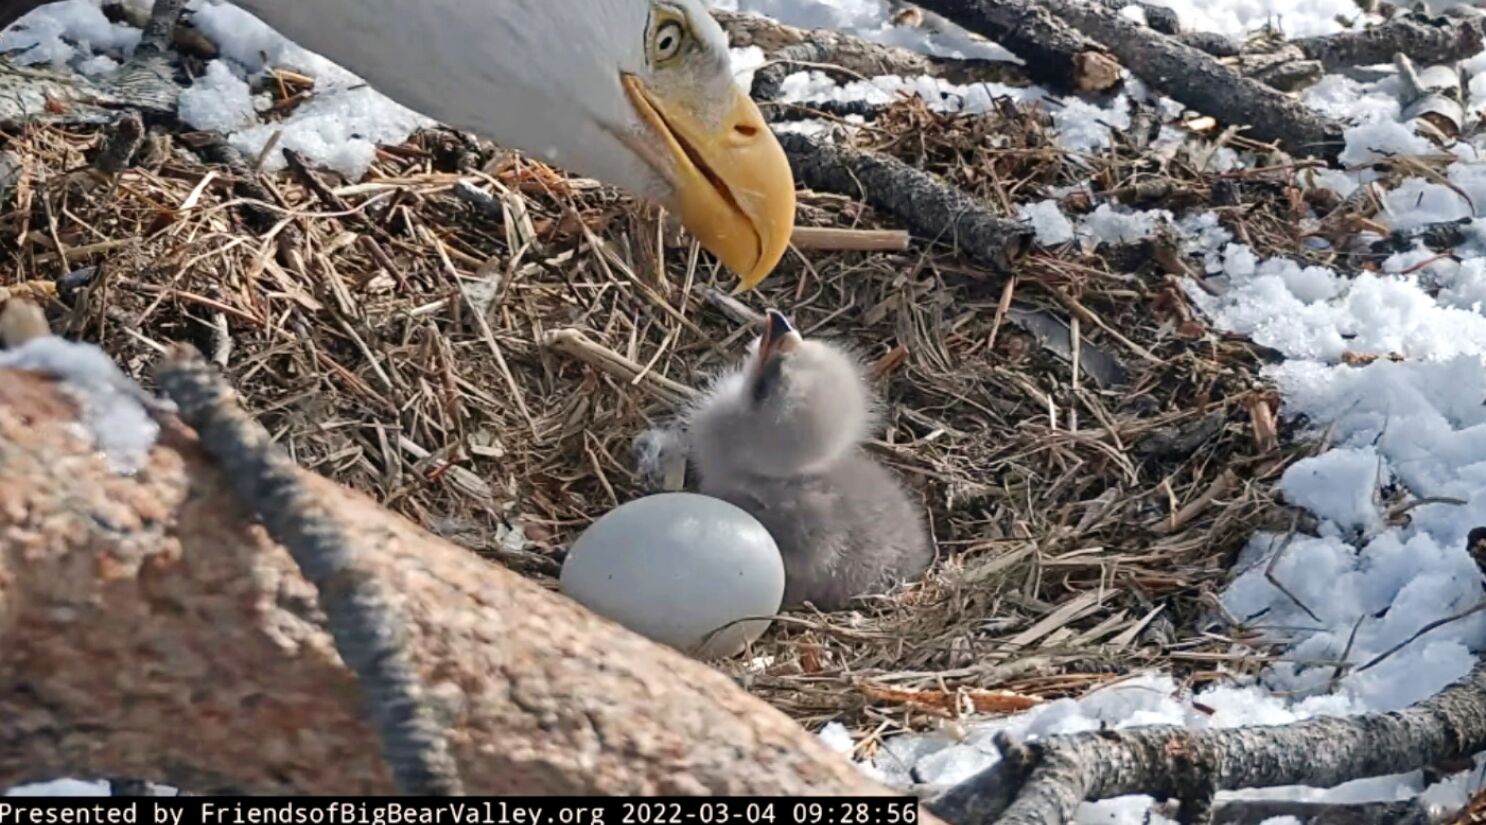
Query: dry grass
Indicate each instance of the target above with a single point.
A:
(390, 334)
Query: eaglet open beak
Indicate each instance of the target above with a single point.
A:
(780, 336)
(733, 187)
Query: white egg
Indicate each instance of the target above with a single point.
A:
(681, 569)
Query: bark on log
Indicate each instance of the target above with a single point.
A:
(1044, 782)
(150, 629)
(1188, 75)
(1054, 52)
(927, 206)
(1425, 39)
(1285, 68)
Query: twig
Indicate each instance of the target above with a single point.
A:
(573, 343)
(833, 239)
(1434, 625)
(1274, 561)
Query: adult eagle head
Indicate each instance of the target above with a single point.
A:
(638, 94)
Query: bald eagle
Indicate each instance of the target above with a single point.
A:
(638, 94)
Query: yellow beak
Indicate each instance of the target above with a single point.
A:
(733, 187)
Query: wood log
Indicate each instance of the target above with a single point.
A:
(149, 628)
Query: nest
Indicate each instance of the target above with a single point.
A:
(413, 336)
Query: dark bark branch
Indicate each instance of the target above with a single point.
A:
(1217, 45)
(1424, 39)
(1054, 52)
(1285, 68)
(1321, 752)
(927, 206)
(144, 83)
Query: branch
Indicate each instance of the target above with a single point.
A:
(1425, 39)
(927, 206)
(1053, 52)
(1189, 76)
(1044, 782)
(152, 629)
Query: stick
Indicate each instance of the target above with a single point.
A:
(832, 239)
(789, 46)
(1053, 52)
(1426, 39)
(575, 344)
(929, 207)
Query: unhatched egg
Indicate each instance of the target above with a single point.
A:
(681, 569)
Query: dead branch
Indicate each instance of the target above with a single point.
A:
(151, 629)
(927, 206)
(1044, 782)
(1188, 75)
(1053, 52)
(1425, 39)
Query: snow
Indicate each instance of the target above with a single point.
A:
(1379, 566)
(1048, 221)
(1297, 18)
(338, 128)
(39, 37)
(61, 787)
(218, 101)
(109, 401)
